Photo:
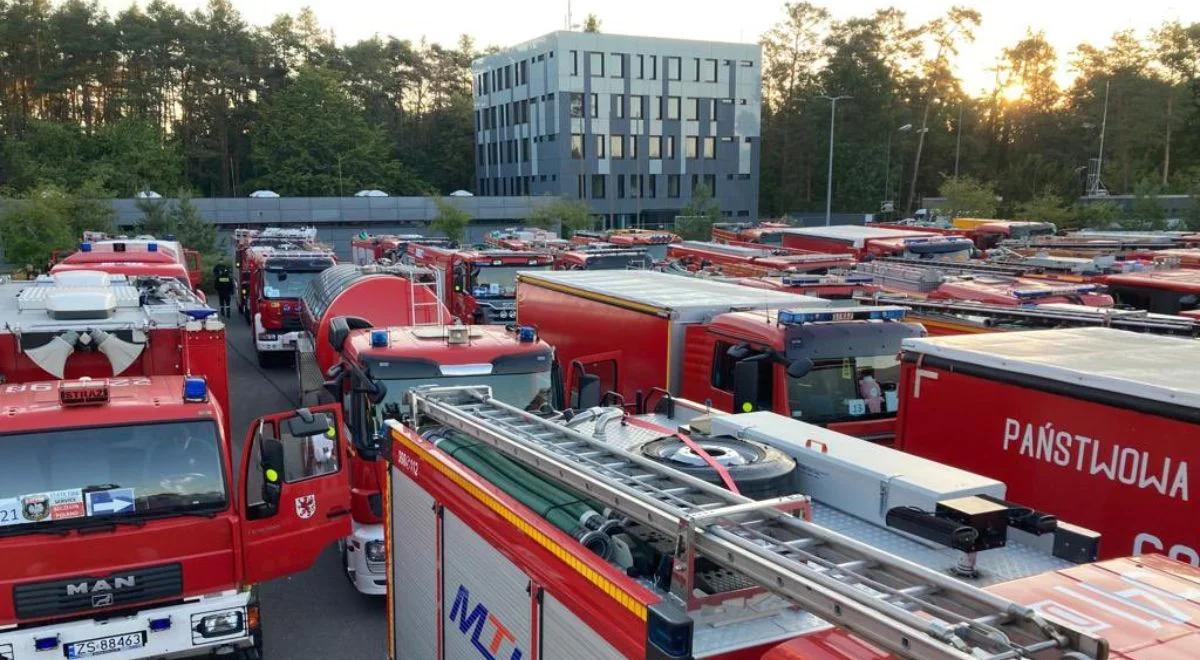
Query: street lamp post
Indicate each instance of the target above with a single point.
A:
(887, 167)
(829, 183)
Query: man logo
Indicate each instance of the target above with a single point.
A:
(306, 506)
(102, 600)
(103, 585)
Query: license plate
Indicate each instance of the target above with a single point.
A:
(102, 645)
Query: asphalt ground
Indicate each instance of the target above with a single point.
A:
(317, 613)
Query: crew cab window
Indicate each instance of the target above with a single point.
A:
(844, 389)
(722, 367)
(309, 456)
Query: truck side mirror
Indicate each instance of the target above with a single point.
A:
(271, 464)
(589, 392)
(799, 367)
(746, 380)
(340, 327)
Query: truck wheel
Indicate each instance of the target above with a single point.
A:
(758, 470)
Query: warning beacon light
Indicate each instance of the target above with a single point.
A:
(195, 389)
(379, 338)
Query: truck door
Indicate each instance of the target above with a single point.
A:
(295, 491)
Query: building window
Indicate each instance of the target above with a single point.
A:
(633, 146)
(655, 147)
(593, 105)
(710, 180)
(618, 106)
(582, 181)
(508, 77)
(695, 69)
(673, 186)
(636, 107)
(710, 70)
(616, 65)
(616, 146)
(672, 107)
(669, 147)
(525, 150)
(599, 145)
(577, 105)
(712, 109)
(657, 102)
(635, 185)
(577, 145)
(747, 63)
(673, 67)
(710, 147)
(596, 64)
(620, 187)
(691, 146)
(574, 62)
(693, 110)
(598, 186)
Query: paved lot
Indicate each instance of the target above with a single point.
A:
(316, 614)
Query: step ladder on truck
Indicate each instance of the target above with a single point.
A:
(740, 549)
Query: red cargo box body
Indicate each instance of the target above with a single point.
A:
(870, 242)
(1172, 291)
(1098, 425)
(742, 261)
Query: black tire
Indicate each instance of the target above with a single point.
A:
(765, 471)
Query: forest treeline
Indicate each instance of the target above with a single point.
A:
(154, 97)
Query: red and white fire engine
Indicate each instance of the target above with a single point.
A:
(120, 528)
(1098, 424)
(985, 233)
(1167, 291)
(244, 239)
(275, 277)
(600, 256)
(479, 285)
(654, 241)
(632, 333)
(138, 256)
(748, 233)
(869, 242)
(679, 534)
(743, 261)
(525, 238)
(366, 356)
(367, 249)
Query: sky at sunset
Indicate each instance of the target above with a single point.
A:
(1066, 23)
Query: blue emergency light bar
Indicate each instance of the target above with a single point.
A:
(200, 313)
(195, 389)
(825, 315)
(526, 334)
(801, 280)
(379, 338)
(861, 278)
(85, 247)
(152, 247)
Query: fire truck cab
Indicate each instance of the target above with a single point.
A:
(244, 239)
(741, 349)
(747, 233)
(600, 256)
(128, 526)
(868, 242)
(277, 278)
(479, 285)
(745, 261)
(1169, 291)
(367, 249)
(140, 256)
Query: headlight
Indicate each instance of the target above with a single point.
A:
(220, 624)
(376, 551)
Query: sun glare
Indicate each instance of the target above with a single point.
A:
(1013, 92)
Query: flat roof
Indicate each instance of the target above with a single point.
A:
(856, 233)
(1144, 366)
(678, 294)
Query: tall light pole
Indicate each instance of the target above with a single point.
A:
(829, 184)
(958, 138)
(887, 168)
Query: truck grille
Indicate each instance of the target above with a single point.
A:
(291, 323)
(86, 593)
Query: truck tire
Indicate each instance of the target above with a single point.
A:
(758, 470)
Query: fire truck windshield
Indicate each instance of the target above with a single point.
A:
(283, 284)
(71, 477)
(498, 281)
(657, 251)
(529, 391)
(846, 389)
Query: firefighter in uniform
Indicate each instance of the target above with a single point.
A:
(223, 279)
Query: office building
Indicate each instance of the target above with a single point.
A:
(630, 124)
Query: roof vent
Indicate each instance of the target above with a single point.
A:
(81, 278)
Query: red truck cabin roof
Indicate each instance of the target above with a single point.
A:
(1183, 280)
(37, 406)
(1188, 257)
(1175, 291)
(817, 339)
(999, 290)
(131, 268)
(598, 259)
(427, 351)
(758, 258)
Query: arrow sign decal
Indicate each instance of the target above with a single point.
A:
(106, 502)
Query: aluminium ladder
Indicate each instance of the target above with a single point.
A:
(907, 609)
(1033, 316)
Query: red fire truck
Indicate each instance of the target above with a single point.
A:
(1168, 291)
(1089, 421)
(140, 256)
(633, 333)
(366, 356)
(521, 238)
(655, 242)
(368, 249)
(743, 261)
(678, 534)
(930, 282)
(276, 277)
(244, 239)
(1184, 257)
(747, 233)
(479, 285)
(119, 524)
(830, 287)
(870, 242)
(986, 233)
(600, 256)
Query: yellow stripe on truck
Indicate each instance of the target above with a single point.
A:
(565, 555)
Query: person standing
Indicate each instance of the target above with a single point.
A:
(223, 280)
